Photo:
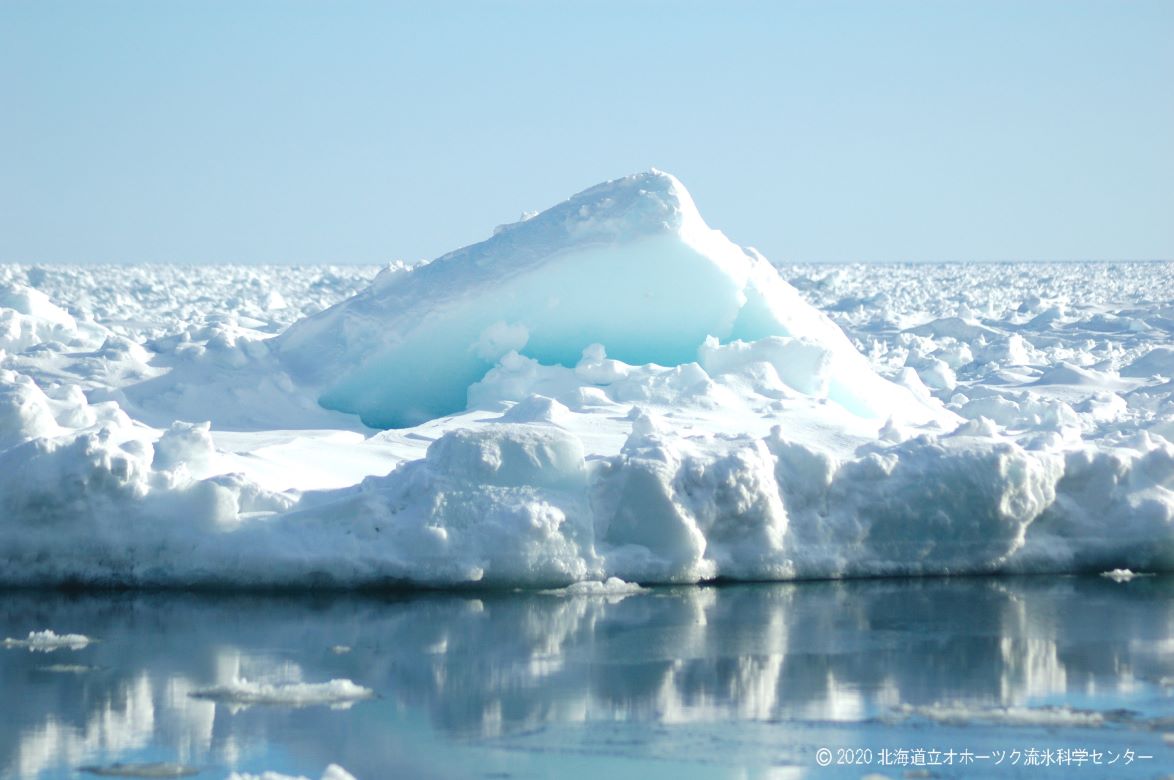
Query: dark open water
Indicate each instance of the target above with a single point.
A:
(738, 681)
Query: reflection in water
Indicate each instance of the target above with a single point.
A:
(468, 685)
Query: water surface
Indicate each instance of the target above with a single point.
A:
(733, 681)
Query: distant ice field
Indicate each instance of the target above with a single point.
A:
(609, 389)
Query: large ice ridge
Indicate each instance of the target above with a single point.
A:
(629, 264)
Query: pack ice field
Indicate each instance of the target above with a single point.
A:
(609, 391)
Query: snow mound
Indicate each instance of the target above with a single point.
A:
(25, 411)
(1158, 361)
(28, 318)
(1067, 374)
(629, 264)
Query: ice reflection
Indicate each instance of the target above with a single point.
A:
(474, 673)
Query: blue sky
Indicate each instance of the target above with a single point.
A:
(311, 132)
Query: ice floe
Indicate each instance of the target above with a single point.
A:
(153, 769)
(612, 586)
(47, 641)
(332, 772)
(244, 693)
(1122, 575)
(961, 715)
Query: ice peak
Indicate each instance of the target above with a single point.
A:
(637, 206)
(645, 188)
(649, 201)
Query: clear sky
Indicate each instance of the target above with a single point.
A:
(348, 131)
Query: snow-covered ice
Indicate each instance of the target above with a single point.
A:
(332, 772)
(611, 587)
(47, 641)
(244, 693)
(1120, 575)
(607, 389)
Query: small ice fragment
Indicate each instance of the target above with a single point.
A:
(241, 692)
(157, 769)
(47, 641)
(612, 586)
(962, 715)
(332, 772)
(67, 668)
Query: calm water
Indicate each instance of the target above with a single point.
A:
(736, 681)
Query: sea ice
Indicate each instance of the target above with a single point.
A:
(152, 770)
(245, 693)
(608, 389)
(629, 264)
(332, 772)
(612, 586)
(1121, 575)
(961, 715)
(47, 641)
